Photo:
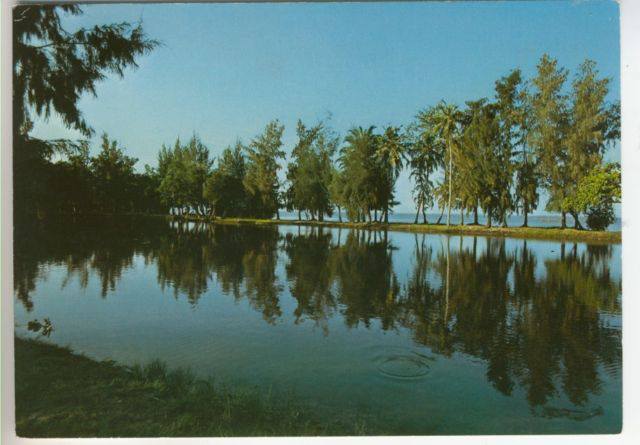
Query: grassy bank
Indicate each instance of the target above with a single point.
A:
(549, 233)
(62, 394)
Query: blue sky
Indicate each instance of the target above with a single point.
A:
(225, 70)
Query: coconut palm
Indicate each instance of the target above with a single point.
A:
(446, 123)
(425, 152)
(390, 153)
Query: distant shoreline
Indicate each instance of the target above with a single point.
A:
(548, 233)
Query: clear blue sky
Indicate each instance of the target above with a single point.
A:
(225, 70)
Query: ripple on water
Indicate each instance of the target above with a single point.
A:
(400, 363)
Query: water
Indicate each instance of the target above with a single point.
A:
(551, 220)
(414, 334)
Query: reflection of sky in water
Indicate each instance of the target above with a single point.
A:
(385, 350)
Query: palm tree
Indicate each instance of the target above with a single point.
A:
(390, 153)
(357, 159)
(425, 156)
(446, 121)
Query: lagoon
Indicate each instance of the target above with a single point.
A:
(409, 333)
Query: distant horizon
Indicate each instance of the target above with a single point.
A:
(254, 63)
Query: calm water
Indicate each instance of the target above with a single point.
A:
(415, 334)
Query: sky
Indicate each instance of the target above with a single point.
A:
(224, 71)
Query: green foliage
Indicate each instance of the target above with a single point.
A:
(113, 178)
(311, 172)
(261, 179)
(183, 171)
(494, 155)
(548, 129)
(224, 189)
(446, 119)
(52, 68)
(426, 154)
(595, 195)
(361, 171)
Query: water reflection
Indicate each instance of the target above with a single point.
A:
(540, 324)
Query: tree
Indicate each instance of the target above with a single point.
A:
(548, 130)
(360, 169)
(52, 68)
(224, 189)
(337, 188)
(426, 155)
(446, 120)
(114, 177)
(592, 125)
(174, 183)
(310, 172)
(478, 173)
(596, 193)
(390, 152)
(183, 172)
(508, 105)
(261, 180)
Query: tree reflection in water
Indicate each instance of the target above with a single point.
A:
(540, 325)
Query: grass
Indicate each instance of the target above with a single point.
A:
(549, 233)
(62, 394)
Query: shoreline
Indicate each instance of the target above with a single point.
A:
(543, 233)
(60, 393)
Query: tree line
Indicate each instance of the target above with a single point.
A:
(493, 155)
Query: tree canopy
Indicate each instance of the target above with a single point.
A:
(497, 155)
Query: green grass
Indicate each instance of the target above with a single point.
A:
(62, 394)
(550, 233)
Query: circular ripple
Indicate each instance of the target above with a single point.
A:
(403, 366)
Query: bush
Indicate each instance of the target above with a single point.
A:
(599, 218)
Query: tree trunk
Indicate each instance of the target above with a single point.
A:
(375, 215)
(299, 215)
(450, 178)
(563, 224)
(424, 215)
(440, 217)
(320, 215)
(415, 221)
(278, 214)
(339, 214)
(386, 215)
(461, 216)
(526, 214)
(489, 218)
(576, 222)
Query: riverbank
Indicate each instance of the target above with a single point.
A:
(63, 394)
(549, 233)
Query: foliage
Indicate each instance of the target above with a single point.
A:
(183, 171)
(595, 195)
(426, 154)
(548, 130)
(224, 189)
(52, 69)
(311, 172)
(261, 180)
(493, 155)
